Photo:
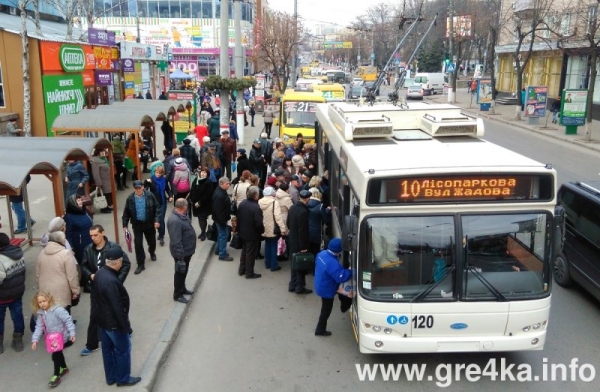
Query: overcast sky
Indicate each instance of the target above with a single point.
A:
(335, 12)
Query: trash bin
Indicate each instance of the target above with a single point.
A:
(260, 106)
(484, 107)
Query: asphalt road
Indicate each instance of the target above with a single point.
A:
(254, 335)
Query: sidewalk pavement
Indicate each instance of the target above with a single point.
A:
(155, 317)
(507, 114)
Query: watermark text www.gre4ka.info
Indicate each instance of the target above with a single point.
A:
(496, 369)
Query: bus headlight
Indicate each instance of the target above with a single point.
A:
(378, 344)
(534, 341)
(537, 326)
(526, 329)
(376, 328)
(367, 325)
(387, 330)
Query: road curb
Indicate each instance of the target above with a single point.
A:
(170, 329)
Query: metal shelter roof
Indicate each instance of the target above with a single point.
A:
(40, 155)
(120, 116)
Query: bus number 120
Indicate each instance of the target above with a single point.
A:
(422, 321)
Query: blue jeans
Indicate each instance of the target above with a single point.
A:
(554, 116)
(116, 354)
(21, 216)
(271, 253)
(16, 314)
(222, 239)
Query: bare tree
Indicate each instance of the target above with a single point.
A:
(524, 23)
(25, 68)
(277, 37)
(67, 9)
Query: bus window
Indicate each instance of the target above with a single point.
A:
(504, 255)
(403, 257)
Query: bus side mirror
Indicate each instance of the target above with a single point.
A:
(349, 231)
(558, 231)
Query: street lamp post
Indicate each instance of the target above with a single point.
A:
(224, 58)
(239, 69)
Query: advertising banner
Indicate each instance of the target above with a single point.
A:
(185, 120)
(189, 66)
(56, 56)
(101, 37)
(132, 50)
(573, 107)
(484, 91)
(128, 65)
(103, 78)
(103, 57)
(536, 98)
(88, 78)
(63, 94)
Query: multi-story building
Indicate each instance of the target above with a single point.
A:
(561, 50)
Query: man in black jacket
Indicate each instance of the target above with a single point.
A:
(221, 215)
(182, 246)
(257, 159)
(250, 226)
(143, 210)
(110, 306)
(94, 258)
(242, 164)
(188, 152)
(297, 223)
(12, 288)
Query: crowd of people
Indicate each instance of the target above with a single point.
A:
(270, 194)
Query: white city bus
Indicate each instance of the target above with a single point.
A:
(450, 237)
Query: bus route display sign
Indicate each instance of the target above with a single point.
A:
(460, 188)
(292, 106)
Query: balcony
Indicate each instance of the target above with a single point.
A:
(522, 7)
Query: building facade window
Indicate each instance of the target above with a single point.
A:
(565, 24)
(592, 21)
(2, 101)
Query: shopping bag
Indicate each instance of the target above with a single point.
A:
(128, 163)
(233, 166)
(346, 289)
(99, 199)
(281, 247)
(128, 239)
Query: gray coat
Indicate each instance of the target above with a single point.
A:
(101, 173)
(57, 319)
(182, 236)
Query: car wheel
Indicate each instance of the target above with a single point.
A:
(562, 275)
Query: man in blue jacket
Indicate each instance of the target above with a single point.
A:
(328, 276)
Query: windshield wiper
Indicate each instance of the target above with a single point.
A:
(429, 288)
(487, 284)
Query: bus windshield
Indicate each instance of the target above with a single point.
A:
(299, 114)
(416, 258)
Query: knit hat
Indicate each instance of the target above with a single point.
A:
(263, 135)
(206, 139)
(335, 245)
(4, 240)
(295, 177)
(179, 160)
(305, 194)
(279, 172)
(269, 191)
(56, 224)
(271, 181)
(256, 141)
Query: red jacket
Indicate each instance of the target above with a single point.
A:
(201, 131)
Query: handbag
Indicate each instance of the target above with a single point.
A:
(303, 262)
(236, 241)
(181, 267)
(99, 199)
(211, 233)
(276, 229)
(54, 340)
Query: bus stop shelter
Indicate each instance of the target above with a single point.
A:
(20, 157)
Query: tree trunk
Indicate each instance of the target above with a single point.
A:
(25, 68)
(590, 97)
(69, 19)
(36, 12)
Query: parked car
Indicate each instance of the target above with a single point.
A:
(370, 86)
(357, 92)
(415, 91)
(579, 260)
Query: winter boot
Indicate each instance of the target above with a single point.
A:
(1, 344)
(17, 342)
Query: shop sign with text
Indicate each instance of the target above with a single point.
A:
(63, 94)
(72, 58)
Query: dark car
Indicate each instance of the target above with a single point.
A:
(356, 92)
(580, 259)
(370, 86)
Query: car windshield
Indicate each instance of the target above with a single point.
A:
(417, 258)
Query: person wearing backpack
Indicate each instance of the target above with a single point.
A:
(181, 179)
(252, 114)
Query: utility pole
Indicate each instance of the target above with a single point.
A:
(451, 47)
(295, 49)
(224, 60)
(372, 48)
(239, 69)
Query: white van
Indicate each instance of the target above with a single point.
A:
(432, 82)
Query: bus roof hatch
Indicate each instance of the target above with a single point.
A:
(441, 125)
(355, 125)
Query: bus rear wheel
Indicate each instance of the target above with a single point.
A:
(562, 274)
